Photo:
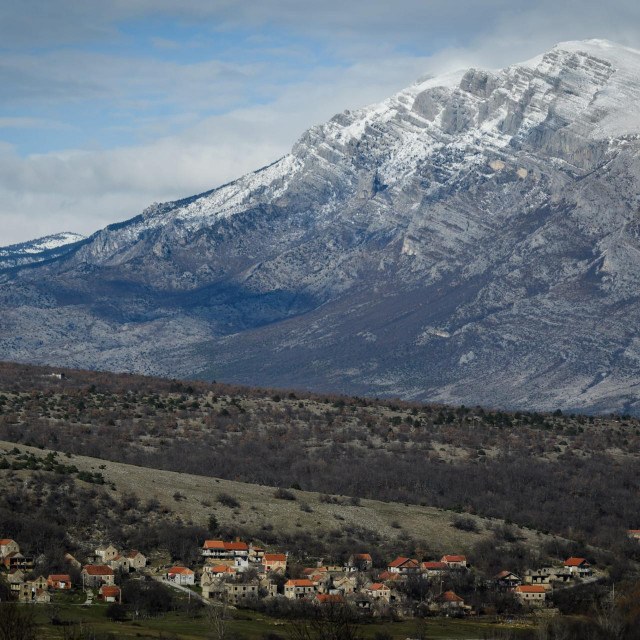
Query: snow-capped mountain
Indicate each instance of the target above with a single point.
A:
(38, 250)
(474, 239)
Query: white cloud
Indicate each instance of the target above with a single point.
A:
(382, 46)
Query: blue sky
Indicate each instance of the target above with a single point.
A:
(108, 106)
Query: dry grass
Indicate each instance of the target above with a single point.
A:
(258, 506)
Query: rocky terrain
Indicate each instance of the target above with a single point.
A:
(472, 239)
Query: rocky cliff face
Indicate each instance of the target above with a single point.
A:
(473, 239)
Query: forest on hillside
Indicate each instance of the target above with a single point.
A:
(574, 475)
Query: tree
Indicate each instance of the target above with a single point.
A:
(332, 621)
(213, 524)
(16, 624)
(116, 612)
(217, 618)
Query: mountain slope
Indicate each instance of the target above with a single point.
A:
(38, 250)
(473, 239)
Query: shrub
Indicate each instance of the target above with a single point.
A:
(227, 501)
(465, 524)
(283, 494)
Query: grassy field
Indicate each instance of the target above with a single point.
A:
(246, 624)
(258, 506)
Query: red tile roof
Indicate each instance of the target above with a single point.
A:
(362, 556)
(222, 568)
(59, 577)
(181, 570)
(386, 575)
(5, 541)
(133, 554)
(530, 588)
(225, 546)
(325, 598)
(575, 562)
(398, 562)
(274, 557)
(377, 586)
(110, 592)
(434, 565)
(450, 596)
(503, 574)
(298, 583)
(454, 558)
(98, 570)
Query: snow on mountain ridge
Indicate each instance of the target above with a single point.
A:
(588, 89)
(42, 244)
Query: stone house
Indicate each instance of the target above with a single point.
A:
(378, 591)
(237, 592)
(15, 578)
(120, 563)
(7, 546)
(531, 594)
(256, 554)
(360, 562)
(300, 588)
(137, 560)
(96, 575)
(276, 562)
(106, 554)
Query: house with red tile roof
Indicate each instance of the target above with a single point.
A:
(378, 591)
(181, 575)
(299, 588)
(451, 599)
(506, 581)
(359, 562)
(7, 546)
(110, 594)
(578, 567)
(276, 562)
(220, 549)
(532, 594)
(15, 560)
(220, 570)
(634, 534)
(404, 566)
(59, 581)
(95, 575)
(455, 562)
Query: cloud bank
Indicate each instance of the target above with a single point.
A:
(110, 106)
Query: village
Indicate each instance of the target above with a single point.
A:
(242, 574)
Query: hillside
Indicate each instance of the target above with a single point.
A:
(533, 469)
(259, 511)
(472, 239)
